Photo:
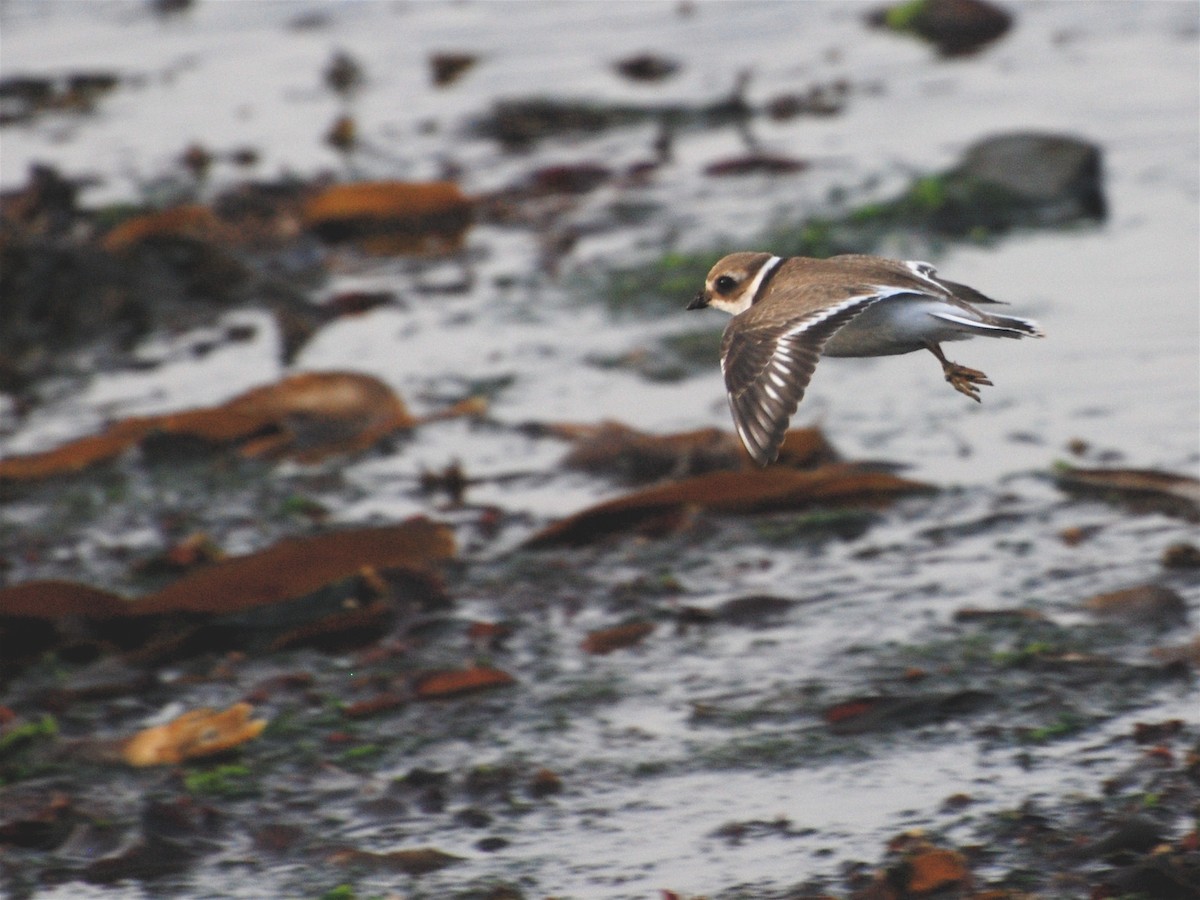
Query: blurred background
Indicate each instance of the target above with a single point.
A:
(273, 269)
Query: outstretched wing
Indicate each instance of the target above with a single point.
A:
(768, 363)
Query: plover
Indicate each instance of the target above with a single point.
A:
(788, 312)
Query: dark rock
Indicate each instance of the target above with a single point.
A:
(179, 818)
(862, 715)
(22, 97)
(580, 178)
(447, 68)
(1181, 556)
(167, 8)
(1134, 835)
(1148, 603)
(38, 819)
(141, 859)
(545, 783)
(344, 75)
(1018, 180)
(1056, 174)
(489, 782)
(646, 67)
(756, 610)
(61, 297)
(955, 27)
(755, 164)
(473, 817)
(517, 124)
(1167, 875)
(276, 837)
(819, 100)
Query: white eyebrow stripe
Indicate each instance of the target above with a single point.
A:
(767, 268)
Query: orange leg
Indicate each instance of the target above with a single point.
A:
(962, 379)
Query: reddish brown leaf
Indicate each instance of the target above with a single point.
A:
(1140, 489)
(377, 704)
(317, 414)
(851, 709)
(1188, 654)
(195, 550)
(201, 732)
(461, 681)
(1149, 603)
(384, 200)
(348, 579)
(52, 599)
(392, 216)
(419, 861)
(611, 448)
(614, 449)
(804, 448)
(863, 714)
(773, 488)
(932, 870)
(609, 639)
(76, 455)
(544, 783)
(307, 417)
(295, 567)
(190, 221)
(345, 628)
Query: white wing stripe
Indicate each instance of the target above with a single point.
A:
(923, 270)
(880, 293)
(961, 320)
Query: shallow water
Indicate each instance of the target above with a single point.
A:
(647, 781)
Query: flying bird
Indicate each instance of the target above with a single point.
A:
(787, 312)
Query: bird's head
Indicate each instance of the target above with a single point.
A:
(734, 282)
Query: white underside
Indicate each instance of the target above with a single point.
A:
(902, 325)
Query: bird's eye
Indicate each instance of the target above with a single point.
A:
(725, 284)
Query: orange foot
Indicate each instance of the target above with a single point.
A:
(965, 380)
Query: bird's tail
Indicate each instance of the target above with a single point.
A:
(991, 325)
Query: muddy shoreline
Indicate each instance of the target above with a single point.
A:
(371, 520)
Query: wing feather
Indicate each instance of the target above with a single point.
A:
(768, 365)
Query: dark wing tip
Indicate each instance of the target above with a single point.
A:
(767, 372)
(761, 441)
(763, 403)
